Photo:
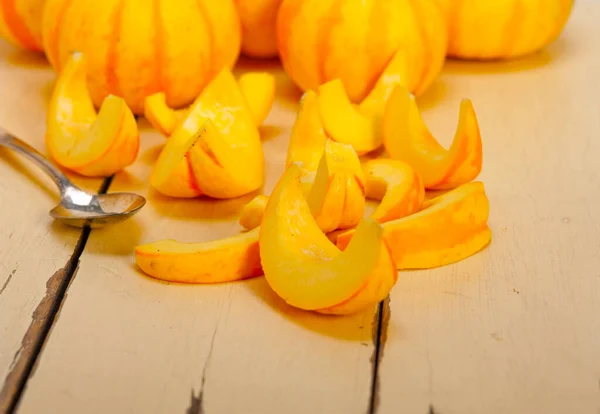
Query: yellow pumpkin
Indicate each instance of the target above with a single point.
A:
(498, 29)
(258, 19)
(353, 40)
(21, 23)
(135, 48)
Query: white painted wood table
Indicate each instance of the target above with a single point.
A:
(513, 329)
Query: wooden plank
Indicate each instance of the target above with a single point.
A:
(127, 343)
(35, 253)
(515, 328)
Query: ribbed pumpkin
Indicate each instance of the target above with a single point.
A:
(353, 40)
(258, 18)
(135, 48)
(497, 29)
(21, 22)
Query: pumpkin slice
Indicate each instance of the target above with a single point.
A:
(309, 272)
(257, 88)
(407, 138)
(337, 197)
(360, 126)
(398, 187)
(78, 138)
(252, 213)
(221, 142)
(160, 116)
(226, 260)
(449, 228)
(307, 141)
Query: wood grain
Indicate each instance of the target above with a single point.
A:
(514, 329)
(35, 253)
(128, 343)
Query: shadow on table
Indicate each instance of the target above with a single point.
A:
(351, 328)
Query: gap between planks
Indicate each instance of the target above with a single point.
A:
(42, 320)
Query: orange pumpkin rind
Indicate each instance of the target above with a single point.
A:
(407, 138)
(448, 229)
(81, 140)
(227, 260)
(396, 185)
(258, 89)
(309, 272)
(219, 143)
(360, 125)
(337, 196)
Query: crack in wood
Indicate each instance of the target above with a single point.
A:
(43, 318)
(10, 276)
(380, 328)
(197, 401)
(432, 410)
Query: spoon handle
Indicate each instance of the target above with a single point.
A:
(16, 144)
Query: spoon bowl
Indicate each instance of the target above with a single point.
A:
(103, 209)
(78, 208)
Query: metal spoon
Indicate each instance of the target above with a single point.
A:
(78, 208)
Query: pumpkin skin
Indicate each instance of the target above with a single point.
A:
(21, 23)
(135, 48)
(259, 34)
(503, 29)
(353, 40)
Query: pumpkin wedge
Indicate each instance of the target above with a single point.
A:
(309, 272)
(407, 138)
(81, 140)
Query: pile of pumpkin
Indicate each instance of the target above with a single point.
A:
(360, 65)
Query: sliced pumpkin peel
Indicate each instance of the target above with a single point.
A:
(407, 138)
(398, 187)
(226, 260)
(257, 88)
(217, 144)
(337, 196)
(81, 140)
(360, 125)
(449, 228)
(252, 213)
(309, 272)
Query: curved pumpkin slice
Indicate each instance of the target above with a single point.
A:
(252, 213)
(160, 116)
(398, 187)
(303, 267)
(449, 228)
(226, 260)
(259, 90)
(360, 126)
(172, 174)
(396, 73)
(337, 198)
(225, 151)
(78, 138)
(307, 141)
(407, 138)
(181, 182)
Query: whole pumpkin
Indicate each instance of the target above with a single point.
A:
(499, 29)
(258, 18)
(21, 23)
(135, 48)
(353, 40)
